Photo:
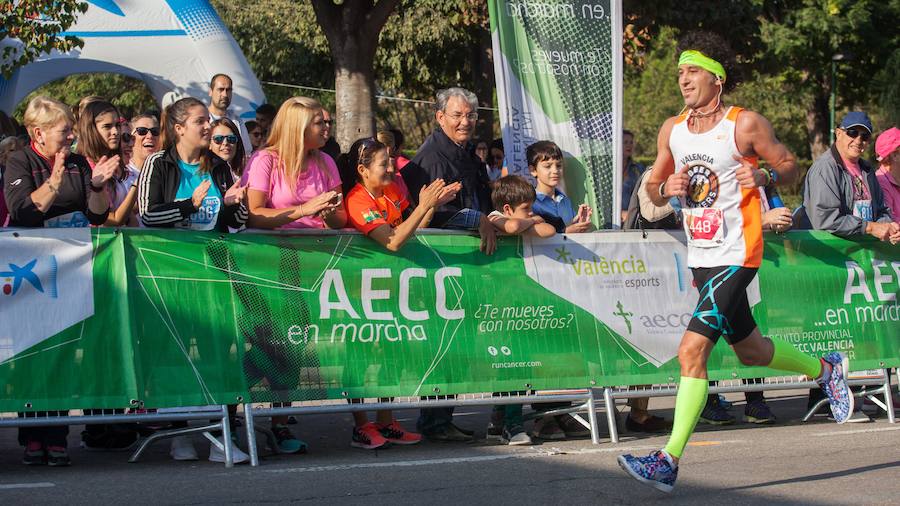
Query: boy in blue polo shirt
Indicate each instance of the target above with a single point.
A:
(545, 162)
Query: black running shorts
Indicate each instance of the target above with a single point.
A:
(723, 308)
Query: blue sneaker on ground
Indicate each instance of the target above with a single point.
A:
(834, 384)
(653, 470)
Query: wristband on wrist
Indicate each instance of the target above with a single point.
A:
(768, 177)
(300, 210)
(96, 189)
(662, 189)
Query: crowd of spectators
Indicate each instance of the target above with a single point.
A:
(197, 166)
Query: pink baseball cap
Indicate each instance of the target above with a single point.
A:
(887, 142)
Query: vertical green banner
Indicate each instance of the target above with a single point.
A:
(556, 64)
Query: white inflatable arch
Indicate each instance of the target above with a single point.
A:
(174, 46)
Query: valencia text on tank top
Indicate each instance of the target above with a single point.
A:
(722, 220)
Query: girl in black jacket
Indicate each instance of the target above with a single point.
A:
(186, 185)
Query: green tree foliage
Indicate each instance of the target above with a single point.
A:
(36, 24)
(130, 95)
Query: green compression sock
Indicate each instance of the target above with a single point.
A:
(688, 405)
(787, 358)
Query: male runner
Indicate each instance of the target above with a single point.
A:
(707, 156)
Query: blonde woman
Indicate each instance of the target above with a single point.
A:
(291, 183)
(47, 186)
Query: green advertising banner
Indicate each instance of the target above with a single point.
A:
(558, 70)
(96, 318)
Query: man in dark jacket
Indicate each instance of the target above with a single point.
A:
(445, 154)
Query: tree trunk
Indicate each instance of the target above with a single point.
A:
(483, 77)
(355, 103)
(817, 125)
(352, 29)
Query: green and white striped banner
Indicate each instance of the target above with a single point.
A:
(559, 73)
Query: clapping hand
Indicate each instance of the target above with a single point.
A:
(237, 194)
(322, 203)
(103, 171)
(200, 193)
(582, 221)
(430, 194)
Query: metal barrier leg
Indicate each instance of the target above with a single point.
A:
(814, 409)
(610, 403)
(226, 437)
(166, 434)
(251, 435)
(888, 396)
(592, 418)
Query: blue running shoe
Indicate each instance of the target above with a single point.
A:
(834, 384)
(653, 470)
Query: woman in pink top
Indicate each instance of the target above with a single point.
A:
(291, 183)
(887, 148)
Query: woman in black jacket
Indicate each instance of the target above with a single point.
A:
(47, 186)
(185, 185)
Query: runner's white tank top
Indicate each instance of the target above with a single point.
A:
(722, 220)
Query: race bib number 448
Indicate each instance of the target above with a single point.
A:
(704, 226)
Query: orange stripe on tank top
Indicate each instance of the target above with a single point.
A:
(751, 211)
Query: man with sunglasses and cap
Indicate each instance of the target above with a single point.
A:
(841, 193)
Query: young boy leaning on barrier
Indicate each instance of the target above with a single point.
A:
(512, 198)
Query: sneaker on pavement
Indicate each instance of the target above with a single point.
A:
(34, 454)
(725, 403)
(652, 425)
(367, 437)
(572, 427)
(448, 434)
(396, 434)
(653, 470)
(495, 426)
(459, 429)
(113, 438)
(287, 442)
(855, 417)
(58, 456)
(834, 384)
(547, 428)
(714, 414)
(218, 455)
(870, 408)
(758, 412)
(515, 436)
(183, 449)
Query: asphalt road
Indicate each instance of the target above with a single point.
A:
(788, 463)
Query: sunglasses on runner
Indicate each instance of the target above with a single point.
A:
(127, 138)
(854, 132)
(230, 139)
(144, 131)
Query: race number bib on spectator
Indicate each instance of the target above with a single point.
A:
(704, 227)
(75, 219)
(206, 215)
(863, 209)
